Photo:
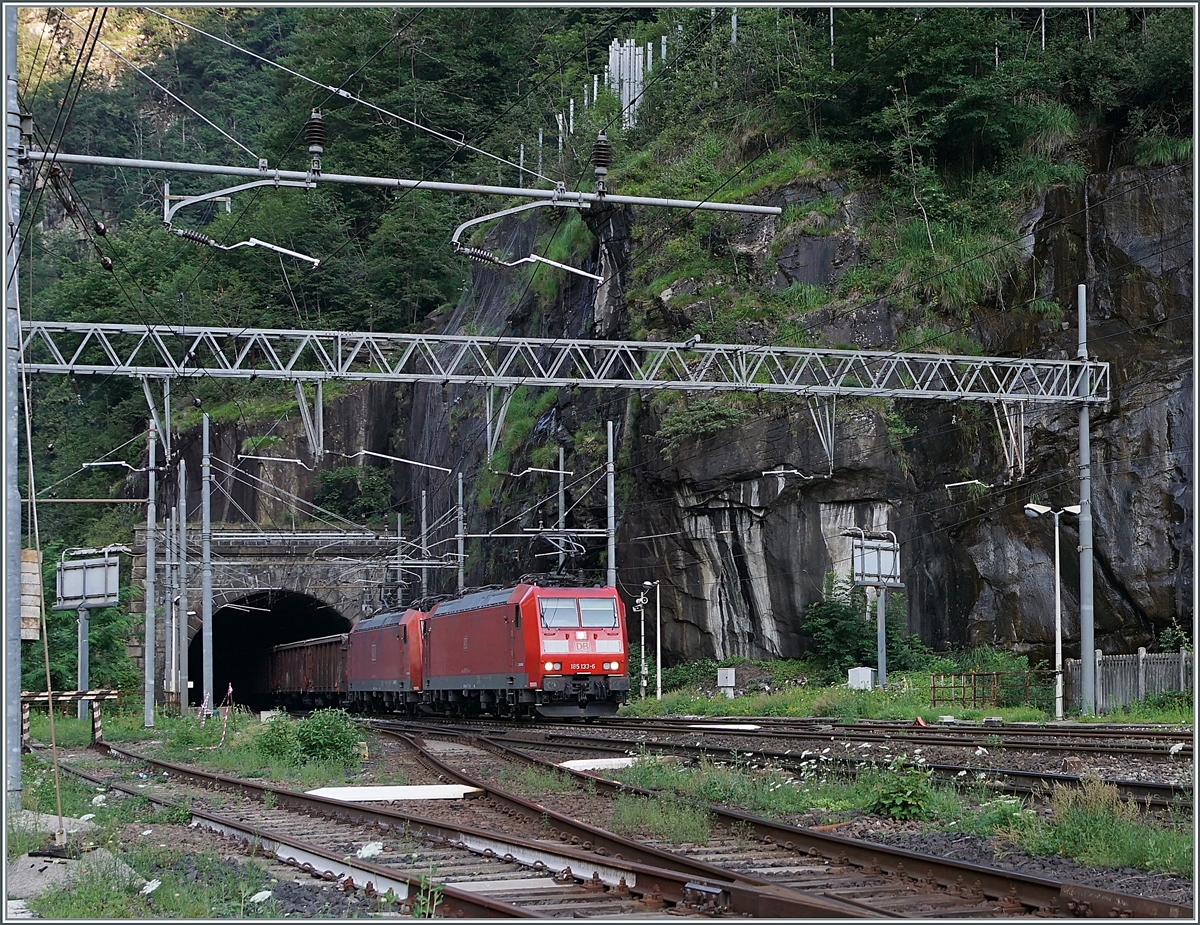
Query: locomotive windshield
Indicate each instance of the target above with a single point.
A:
(559, 612)
(598, 611)
(563, 612)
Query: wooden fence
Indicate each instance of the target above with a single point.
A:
(1123, 679)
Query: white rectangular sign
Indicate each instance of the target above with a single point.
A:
(876, 562)
(87, 583)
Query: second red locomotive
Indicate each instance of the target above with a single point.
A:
(556, 652)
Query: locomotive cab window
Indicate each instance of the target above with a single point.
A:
(598, 611)
(404, 635)
(558, 612)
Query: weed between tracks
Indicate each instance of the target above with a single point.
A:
(1091, 825)
(1094, 825)
(533, 781)
(665, 819)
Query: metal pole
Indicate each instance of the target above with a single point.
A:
(645, 668)
(831, 38)
(658, 641)
(1087, 628)
(1058, 675)
(395, 183)
(166, 421)
(151, 564)
(12, 340)
(562, 503)
(81, 664)
(181, 644)
(881, 636)
(424, 547)
(462, 529)
(206, 640)
(612, 512)
(170, 674)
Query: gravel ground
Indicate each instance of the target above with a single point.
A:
(995, 852)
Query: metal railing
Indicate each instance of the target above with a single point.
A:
(975, 689)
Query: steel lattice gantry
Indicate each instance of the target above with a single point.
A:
(163, 352)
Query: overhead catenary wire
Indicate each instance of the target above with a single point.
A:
(173, 96)
(458, 143)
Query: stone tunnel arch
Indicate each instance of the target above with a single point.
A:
(244, 630)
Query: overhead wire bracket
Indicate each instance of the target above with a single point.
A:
(200, 238)
(824, 415)
(1012, 436)
(495, 424)
(486, 256)
(314, 425)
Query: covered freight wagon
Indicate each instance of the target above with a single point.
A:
(311, 672)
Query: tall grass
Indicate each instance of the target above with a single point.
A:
(1094, 825)
(667, 820)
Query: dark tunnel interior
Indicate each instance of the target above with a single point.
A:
(244, 632)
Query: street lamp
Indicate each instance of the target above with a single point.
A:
(657, 633)
(1038, 510)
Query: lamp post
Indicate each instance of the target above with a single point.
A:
(1038, 510)
(657, 634)
(640, 607)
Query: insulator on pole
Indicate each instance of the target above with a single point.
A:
(601, 159)
(601, 155)
(195, 236)
(314, 133)
(478, 253)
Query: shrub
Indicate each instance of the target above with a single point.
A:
(702, 419)
(904, 793)
(277, 740)
(841, 635)
(328, 735)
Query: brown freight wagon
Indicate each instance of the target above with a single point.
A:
(311, 672)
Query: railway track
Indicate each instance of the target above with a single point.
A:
(1010, 737)
(478, 873)
(882, 880)
(1007, 780)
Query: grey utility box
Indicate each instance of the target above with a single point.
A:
(862, 679)
(725, 681)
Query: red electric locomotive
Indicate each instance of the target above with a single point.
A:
(384, 662)
(559, 652)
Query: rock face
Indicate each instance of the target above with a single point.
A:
(740, 554)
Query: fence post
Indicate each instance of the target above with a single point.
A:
(97, 728)
(25, 746)
(1099, 686)
(1141, 680)
(1183, 672)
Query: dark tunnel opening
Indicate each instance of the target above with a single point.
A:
(244, 632)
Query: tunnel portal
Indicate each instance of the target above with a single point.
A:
(243, 633)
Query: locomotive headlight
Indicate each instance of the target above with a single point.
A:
(553, 666)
